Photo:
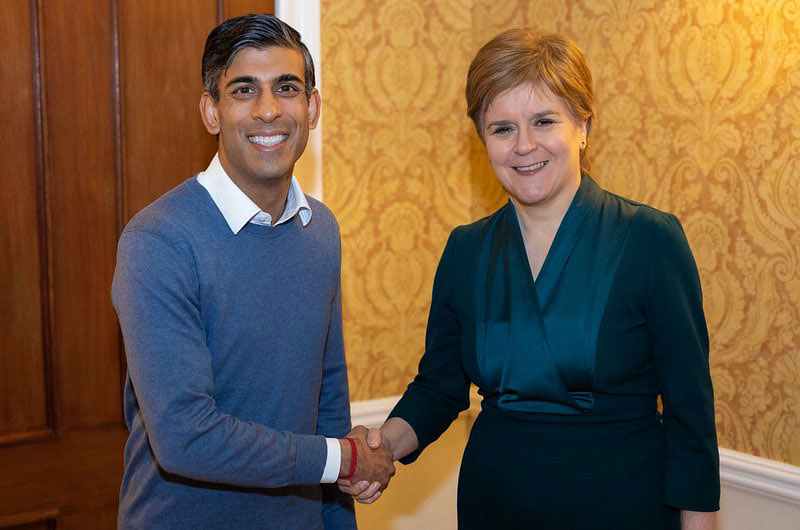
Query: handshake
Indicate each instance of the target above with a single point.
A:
(367, 464)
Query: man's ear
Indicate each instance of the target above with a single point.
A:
(208, 112)
(314, 107)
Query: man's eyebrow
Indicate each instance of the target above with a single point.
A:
(249, 79)
(283, 78)
(241, 79)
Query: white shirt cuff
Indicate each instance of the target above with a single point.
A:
(333, 462)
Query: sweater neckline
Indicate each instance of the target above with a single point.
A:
(249, 229)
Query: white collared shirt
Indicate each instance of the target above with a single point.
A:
(238, 210)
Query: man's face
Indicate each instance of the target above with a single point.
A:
(262, 116)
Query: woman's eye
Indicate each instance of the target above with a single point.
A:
(544, 122)
(502, 130)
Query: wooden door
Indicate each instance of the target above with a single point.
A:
(100, 117)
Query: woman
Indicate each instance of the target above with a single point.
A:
(572, 310)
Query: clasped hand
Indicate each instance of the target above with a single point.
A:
(374, 465)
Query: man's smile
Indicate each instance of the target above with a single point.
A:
(268, 141)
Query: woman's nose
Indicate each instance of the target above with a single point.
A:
(526, 141)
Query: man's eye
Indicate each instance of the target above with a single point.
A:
(287, 88)
(243, 90)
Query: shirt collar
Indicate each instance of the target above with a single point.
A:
(237, 208)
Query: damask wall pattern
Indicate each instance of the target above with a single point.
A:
(697, 113)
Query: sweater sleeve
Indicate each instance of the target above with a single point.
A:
(156, 295)
(334, 415)
(679, 341)
(440, 391)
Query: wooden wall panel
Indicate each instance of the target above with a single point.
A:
(101, 519)
(43, 525)
(77, 64)
(23, 396)
(38, 520)
(234, 8)
(103, 124)
(164, 141)
(79, 474)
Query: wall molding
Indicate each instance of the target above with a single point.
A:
(748, 473)
(760, 476)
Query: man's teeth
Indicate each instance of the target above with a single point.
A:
(533, 166)
(269, 140)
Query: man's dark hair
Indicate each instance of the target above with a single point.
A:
(249, 31)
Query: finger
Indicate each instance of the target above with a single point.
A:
(371, 499)
(349, 490)
(374, 438)
(370, 492)
(355, 489)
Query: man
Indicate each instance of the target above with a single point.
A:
(228, 294)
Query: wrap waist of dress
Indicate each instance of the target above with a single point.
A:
(608, 408)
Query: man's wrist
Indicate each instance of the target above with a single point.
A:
(346, 453)
(348, 472)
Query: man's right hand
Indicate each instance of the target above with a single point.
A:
(363, 491)
(374, 464)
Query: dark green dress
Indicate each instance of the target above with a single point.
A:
(570, 367)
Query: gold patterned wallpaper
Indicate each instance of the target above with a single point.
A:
(697, 113)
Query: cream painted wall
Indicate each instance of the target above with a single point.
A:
(303, 15)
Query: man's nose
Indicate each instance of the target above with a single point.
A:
(267, 107)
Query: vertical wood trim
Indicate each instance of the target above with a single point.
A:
(117, 113)
(220, 11)
(119, 187)
(42, 216)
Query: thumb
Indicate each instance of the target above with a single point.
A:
(374, 438)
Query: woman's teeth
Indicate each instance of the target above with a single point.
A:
(532, 166)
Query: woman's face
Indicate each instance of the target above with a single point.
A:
(534, 143)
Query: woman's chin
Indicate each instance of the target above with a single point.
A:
(529, 199)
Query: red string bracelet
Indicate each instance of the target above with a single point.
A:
(353, 459)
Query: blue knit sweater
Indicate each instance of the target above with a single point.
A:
(236, 368)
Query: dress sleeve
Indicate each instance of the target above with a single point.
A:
(156, 295)
(440, 391)
(334, 415)
(679, 340)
